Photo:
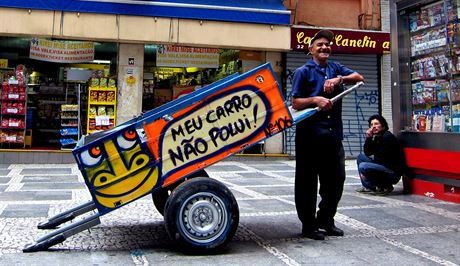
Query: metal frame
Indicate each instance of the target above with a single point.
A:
(401, 87)
(59, 235)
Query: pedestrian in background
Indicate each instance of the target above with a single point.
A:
(382, 164)
(319, 149)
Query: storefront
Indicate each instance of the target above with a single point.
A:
(45, 95)
(426, 105)
(209, 30)
(172, 71)
(359, 50)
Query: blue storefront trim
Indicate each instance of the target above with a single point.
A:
(260, 11)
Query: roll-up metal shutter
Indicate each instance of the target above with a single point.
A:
(356, 107)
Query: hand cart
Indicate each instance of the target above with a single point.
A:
(164, 152)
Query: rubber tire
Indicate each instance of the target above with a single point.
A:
(161, 196)
(197, 198)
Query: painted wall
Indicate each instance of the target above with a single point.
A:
(386, 97)
(130, 75)
(119, 28)
(350, 14)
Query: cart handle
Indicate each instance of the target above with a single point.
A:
(305, 113)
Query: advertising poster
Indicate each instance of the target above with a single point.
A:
(179, 56)
(61, 51)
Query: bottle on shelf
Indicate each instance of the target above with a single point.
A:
(70, 125)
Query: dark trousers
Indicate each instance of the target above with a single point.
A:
(319, 158)
(375, 175)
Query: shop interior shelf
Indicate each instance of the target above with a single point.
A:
(102, 103)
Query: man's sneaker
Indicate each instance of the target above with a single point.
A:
(364, 190)
(384, 191)
(333, 231)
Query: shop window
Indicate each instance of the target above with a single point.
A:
(434, 67)
(56, 93)
(173, 71)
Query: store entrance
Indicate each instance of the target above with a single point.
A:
(173, 71)
(44, 105)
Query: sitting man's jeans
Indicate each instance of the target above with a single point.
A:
(375, 175)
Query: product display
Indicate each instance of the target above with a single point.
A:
(48, 101)
(102, 102)
(70, 123)
(435, 67)
(13, 99)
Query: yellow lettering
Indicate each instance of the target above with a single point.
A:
(373, 44)
(386, 45)
(369, 43)
(302, 39)
(338, 38)
(353, 43)
(366, 41)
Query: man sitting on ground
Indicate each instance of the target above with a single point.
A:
(382, 164)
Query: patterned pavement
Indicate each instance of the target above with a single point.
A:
(380, 230)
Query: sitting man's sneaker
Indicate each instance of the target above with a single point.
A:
(384, 191)
(333, 231)
(313, 234)
(364, 190)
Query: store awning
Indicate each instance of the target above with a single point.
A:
(257, 11)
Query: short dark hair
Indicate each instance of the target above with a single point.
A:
(380, 118)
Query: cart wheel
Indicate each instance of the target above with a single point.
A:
(201, 214)
(161, 196)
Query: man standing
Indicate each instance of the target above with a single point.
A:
(319, 149)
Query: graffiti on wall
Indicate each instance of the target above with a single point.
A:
(357, 132)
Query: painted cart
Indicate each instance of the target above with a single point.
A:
(164, 152)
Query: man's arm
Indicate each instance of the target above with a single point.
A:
(330, 84)
(311, 102)
(369, 147)
(352, 78)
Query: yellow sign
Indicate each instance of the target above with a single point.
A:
(61, 51)
(4, 63)
(179, 56)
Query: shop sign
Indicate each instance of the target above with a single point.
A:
(347, 42)
(179, 56)
(61, 51)
(166, 70)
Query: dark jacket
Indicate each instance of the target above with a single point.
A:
(386, 151)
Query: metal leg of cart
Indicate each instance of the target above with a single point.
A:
(66, 216)
(59, 235)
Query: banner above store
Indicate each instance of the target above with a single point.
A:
(346, 41)
(61, 51)
(267, 11)
(179, 56)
